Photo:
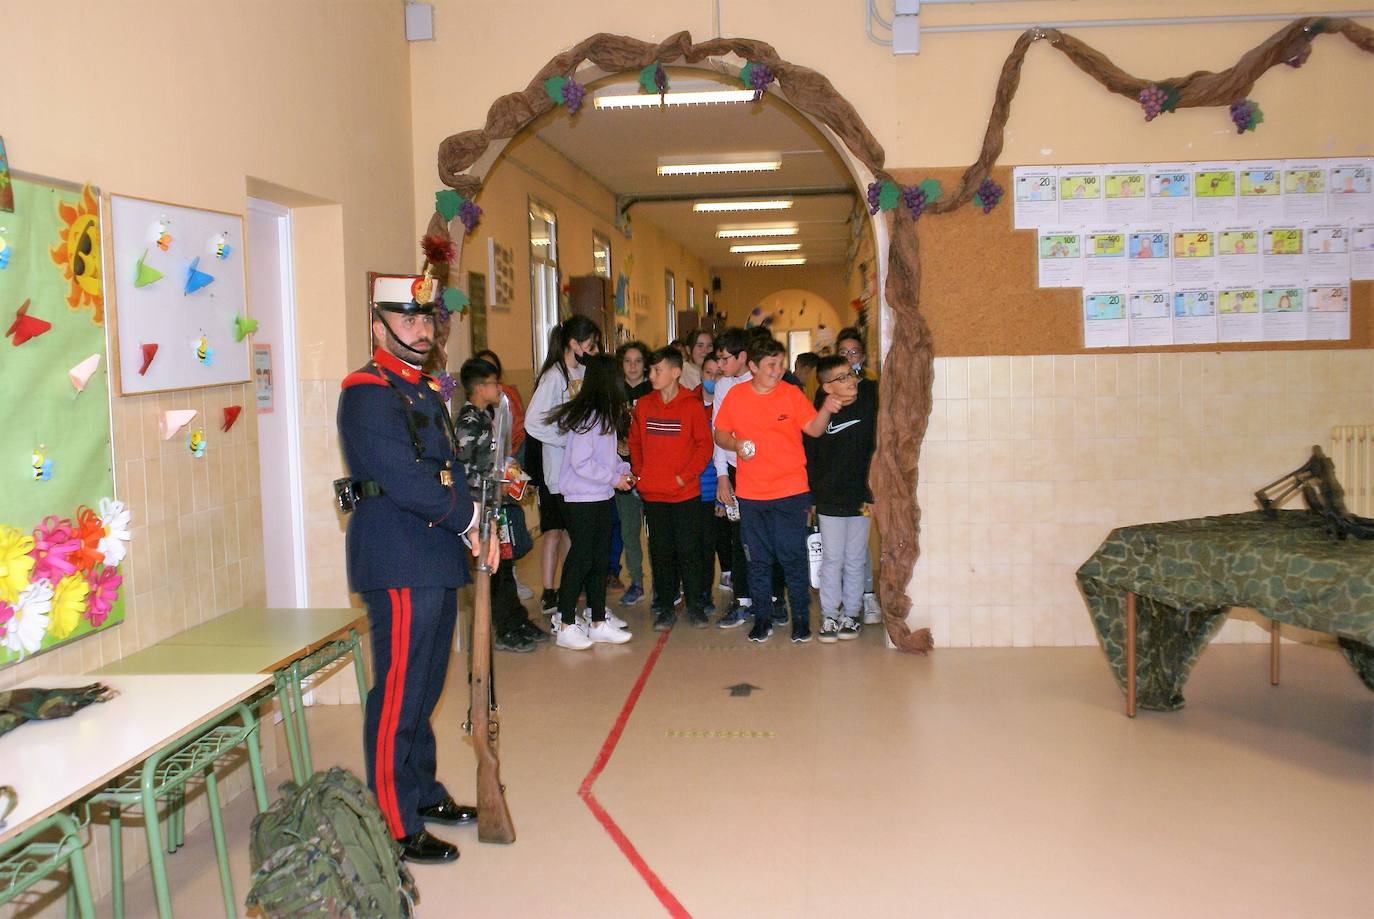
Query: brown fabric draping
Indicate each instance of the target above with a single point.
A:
(905, 392)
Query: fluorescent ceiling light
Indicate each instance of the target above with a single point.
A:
(752, 232)
(780, 204)
(767, 247)
(718, 163)
(653, 100)
(774, 262)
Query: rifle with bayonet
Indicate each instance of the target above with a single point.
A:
(1323, 495)
(493, 816)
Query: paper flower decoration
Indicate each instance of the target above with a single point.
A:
(89, 532)
(243, 327)
(30, 621)
(195, 442)
(987, 195)
(565, 91)
(68, 603)
(16, 562)
(231, 414)
(53, 541)
(1246, 115)
(756, 76)
(115, 517)
(25, 326)
(6, 614)
(145, 274)
(104, 586)
(6, 251)
(197, 279)
(174, 420)
(654, 79)
(81, 374)
(1158, 99)
(149, 352)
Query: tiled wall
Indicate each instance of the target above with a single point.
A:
(1030, 461)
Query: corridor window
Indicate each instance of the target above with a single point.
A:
(543, 275)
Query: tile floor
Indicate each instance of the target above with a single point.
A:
(973, 783)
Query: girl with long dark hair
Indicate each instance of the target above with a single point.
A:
(592, 472)
(571, 342)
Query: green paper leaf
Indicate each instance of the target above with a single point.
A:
(889, 193)
(932, 189)
(554, 87)
(447, 202)
(1256, 117)
(646, 79)
(745, 75)
(455, 301)
(243, 327)
(1170, 102)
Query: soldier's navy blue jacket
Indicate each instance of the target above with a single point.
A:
(409, 536)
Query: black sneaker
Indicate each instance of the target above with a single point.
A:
(532, 632)
(664, 620)
(779, 611)
(734, 616)
(801, 631)
(849, 628)
(762, 630)
(513, 640)
(830, 630)
(549, 601)
(696, 618)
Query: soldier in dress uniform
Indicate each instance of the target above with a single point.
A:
(412, 512)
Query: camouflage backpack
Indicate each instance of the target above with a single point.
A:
(323, 850)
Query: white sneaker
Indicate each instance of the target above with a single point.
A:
(611, 617)
(525, 593)
(573, 637)
(725, 581)
(555, 623)
(872, 613)
(606, 632)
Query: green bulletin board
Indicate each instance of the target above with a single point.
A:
(63, 537)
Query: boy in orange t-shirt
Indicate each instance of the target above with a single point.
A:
(763, 423)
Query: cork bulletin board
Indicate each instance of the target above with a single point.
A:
(979, 293)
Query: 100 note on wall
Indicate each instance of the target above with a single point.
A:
(63, 536)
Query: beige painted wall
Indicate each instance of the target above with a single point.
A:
(532, 168)
(823, 287)
(307, 104)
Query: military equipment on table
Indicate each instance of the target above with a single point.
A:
(33, 704)
(493, 816)
(1316, 479)
(324, 850)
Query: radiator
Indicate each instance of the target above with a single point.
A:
(1352, 452)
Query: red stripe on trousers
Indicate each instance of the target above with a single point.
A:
(386, 731)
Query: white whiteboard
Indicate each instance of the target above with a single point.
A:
(189, 318)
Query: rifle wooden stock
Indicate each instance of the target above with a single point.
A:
(493, 816)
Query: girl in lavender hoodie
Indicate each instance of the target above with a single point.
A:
(592, 472)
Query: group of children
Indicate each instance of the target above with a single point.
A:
(728, 466)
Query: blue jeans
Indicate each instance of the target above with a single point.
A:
(775, 531)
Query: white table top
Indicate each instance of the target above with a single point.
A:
(54, 763)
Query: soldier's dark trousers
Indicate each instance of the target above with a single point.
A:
(412, 637)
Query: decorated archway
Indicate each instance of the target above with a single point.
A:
(908, 364)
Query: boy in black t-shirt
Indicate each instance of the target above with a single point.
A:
(837, 469)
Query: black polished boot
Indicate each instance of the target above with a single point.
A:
(449, 812)
(426, 849)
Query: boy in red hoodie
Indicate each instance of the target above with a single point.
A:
(670, 444)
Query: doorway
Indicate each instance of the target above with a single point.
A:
(270, 287)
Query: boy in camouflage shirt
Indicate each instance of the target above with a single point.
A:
(510, 623)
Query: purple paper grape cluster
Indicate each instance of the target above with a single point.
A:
(759, 78)
(914, 197)
(874, 189)
(573, 92)
(660, 79)
(447, 384)
(1301, 57)
(989, 193)
(469, 213)
(1152, 100)
(1243, 115)
(443, 311)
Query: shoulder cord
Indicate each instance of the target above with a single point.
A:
(406, 404)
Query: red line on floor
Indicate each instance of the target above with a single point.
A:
(627, 848)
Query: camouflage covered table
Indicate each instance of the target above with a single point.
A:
(1186, 574)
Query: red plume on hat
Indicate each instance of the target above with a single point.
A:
(438, 248)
